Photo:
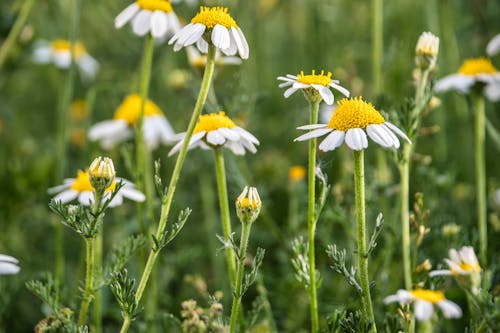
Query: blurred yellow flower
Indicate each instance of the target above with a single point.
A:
(296, 173)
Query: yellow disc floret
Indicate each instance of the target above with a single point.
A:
(211, 16)
(61, 45)
(152, 5)
(213, 121)
(130, 109)
(475, 66)
(428, 295)
(474, 268)
(354, 113)
(82, 183)
(314, 78)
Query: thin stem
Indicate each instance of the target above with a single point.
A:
(478, 102)
(359, 185)
(377, 44)
(220, 171)
(87, 295)
(97, 307)
(167, 201)
(16, 30)
(311, 221)
(426, 327)
(404, 170)
(238, 288)
(126, 324)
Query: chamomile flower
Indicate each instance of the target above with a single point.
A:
(426, 50)
(493, 46)
(8, 265)
(463, 262)
(58, 52)
(474, 72)
(315, 86)
(156, 128)
(212, 25)
(216, 130)
(351, 119)
(424, 302)
(81, 188)
(154, 16)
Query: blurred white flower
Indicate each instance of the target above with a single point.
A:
(463, 262)
(218, 130)
(156, 129)
(58, 52)
(424, 302)
(426, 50)
(8, 265)
(493, 46)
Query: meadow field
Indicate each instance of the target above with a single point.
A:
(250, 166)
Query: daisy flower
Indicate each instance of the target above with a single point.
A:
(216, 130)
(478, 72)
(427, 49)
(156, 128)
(154, 16)
(212, 25)
(8, 265)
(81, 188)
(315, 86)
(352, 118)
(493, 46)
(463, 262)
(424, 301)
(58, 52)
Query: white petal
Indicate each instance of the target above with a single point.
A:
(117, 200)
(193, 33)
(325, 92)
(287, 79)
(423, 310)
(402, 296)
(202, 45)
(42, 54)
(235, 147)
(62, 59)
(313, 134)
(399, 132)
(86, 198)
(492, 91)
(246, 134)
(229, 133)
(66, 196)
(195, 138)
(493, 46)
(332, 141)
(450, 309)
(439, 272)
(126, 15)
(311, 126)
(88, 66)
(173, 22)
(141, 22)
(300, 85)
(215, 138)
(220, 37)
(289, 91)
(8, 259)
(355, 139)
(339, 88)
(159, 24)
(285, 84)
(378, 134)
(8, 268)
(243, 49)
(232, 49)
(59, 188)
(132, 194)
(390, 134)
(113, 131)
(458, 82)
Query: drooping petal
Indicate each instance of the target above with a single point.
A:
(313, 134)
(8, 268)
(86, 198)
(378, 134)
(141, 23)
(311, 126)
(458, 82)
(42, 54)
(332, 141)
(339, 88)
(233, 48)
(289, 92)
(202, 45)
(126, 15)
(246, 134)
(243, 49)
(399, 132)
(66, 196)
(159, 24)
(493, 46)
(229, 133)
(325, 93)
(450, 309)
(132, 194)
(492, 92)
(355, 139)
(235, 147)
(215, 138)
(220, 37)
(423, 310)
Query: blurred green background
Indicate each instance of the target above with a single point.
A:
(285, 36)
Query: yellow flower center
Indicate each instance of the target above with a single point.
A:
(152, 5)
(209, 17)
(212, 121)
(428, 295)
(475, 66)
(82, 183)
(354, 113)
(314, 78)
(245, 203)
(130, 109)
(296, 173)
(61, 45)
(475, 268)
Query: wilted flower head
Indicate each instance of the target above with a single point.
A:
(493, 46)
(58, 52)
(215, 130)
(424, 301)
(102, 173)
(212, 25)
(155, 127)
(349, 122)
(248, 205)
(316, 87)
(427, 50)
(8, 265)
(154, 16)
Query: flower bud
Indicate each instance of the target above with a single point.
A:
(426, 51)
(248, 205)
(102, 173)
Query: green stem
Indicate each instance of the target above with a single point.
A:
(404, 170)
(238, 288)
(479, 129)
(167, 201)
(426, 327)
(87, 295)
(220, 171)
(97, 307)
(359, 184)
(16, 30)
(126, 324)
(311, 221)
(377, 44)
(482, 328)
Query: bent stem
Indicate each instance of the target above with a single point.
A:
(359, 185)
(167, 200)
(220, 171)
(238, 288)
(311, 220)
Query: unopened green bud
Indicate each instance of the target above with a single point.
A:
(102, 173)
(248, 205)
(426, 51)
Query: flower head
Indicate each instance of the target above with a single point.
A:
(216, 130)
(102, 173)
(427, 50)
(493, 46)
(212, 25)
(155, 126)
(81, 188)
(425, 300)
(315, 86)
(352, 118)
(474, 72)
(296, 173)
(59, 51)
(248, 205)
(154, 16)
(8, 265)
